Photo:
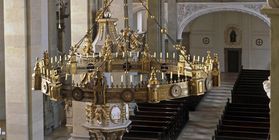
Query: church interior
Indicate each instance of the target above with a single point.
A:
(139, 69)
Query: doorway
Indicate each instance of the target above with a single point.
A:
(232, 59)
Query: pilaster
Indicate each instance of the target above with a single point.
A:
(79, 26)
(17, 70)
(273, 14)
(153, 31)
(172, 24)
(35, 44)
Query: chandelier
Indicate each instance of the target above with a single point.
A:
(118, 68)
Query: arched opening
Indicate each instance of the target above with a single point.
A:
(239, 39)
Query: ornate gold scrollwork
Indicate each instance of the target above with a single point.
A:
(153, 84)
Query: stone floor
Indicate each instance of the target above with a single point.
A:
(62, 133)
(204, 120)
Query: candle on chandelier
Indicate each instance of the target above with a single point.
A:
(163, 76)
(161, 55)
(131, 78)
(173, 55)
(178, 75)
(194, 58)
(155, 54)
(171, 75)
(111, 78)
(122, 78)
(198, 58)
(141, 77)
(116, 54)
(167, 55)
(202, 59)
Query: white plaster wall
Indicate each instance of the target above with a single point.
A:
(214, 25)
(2, 65)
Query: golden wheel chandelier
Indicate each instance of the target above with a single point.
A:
(117, 69)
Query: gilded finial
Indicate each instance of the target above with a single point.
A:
(106, 51)
(46, 58)
(37, 68)
(88, 48)
(37, 76)
(153, 77)
(208, 57)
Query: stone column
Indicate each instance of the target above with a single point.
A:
(273, 12)
(117, 10)
(52, 27)
(93, 7)
(49, 30)
(172, 24)
(79, 27)
(17, 70)
(2, 65)
(153, 31)
(35, 33)
(23, 30)
(49, 35)
(67, 32)
(63, 26)
(79, 118)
